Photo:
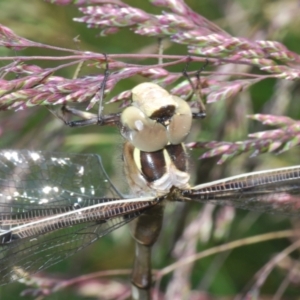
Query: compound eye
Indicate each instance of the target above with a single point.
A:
(181, 122)
(143, 133)
(153, 100)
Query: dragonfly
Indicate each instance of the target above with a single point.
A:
(52, 205)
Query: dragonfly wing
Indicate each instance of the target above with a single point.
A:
(31, 255)
(36, 190)
(34, 179)
(274, 191)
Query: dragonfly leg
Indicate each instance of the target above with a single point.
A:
(86, 117)
(196, 89)
(89, 118)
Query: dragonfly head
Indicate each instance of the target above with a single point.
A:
(156, 118)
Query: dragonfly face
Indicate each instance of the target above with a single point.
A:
(155, 118)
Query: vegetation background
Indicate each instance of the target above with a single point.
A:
(222, 276)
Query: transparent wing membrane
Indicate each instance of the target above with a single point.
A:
(33, 179)
(35, 254)
(274, 191)
(53, 205)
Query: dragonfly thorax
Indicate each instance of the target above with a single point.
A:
(154, 173)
